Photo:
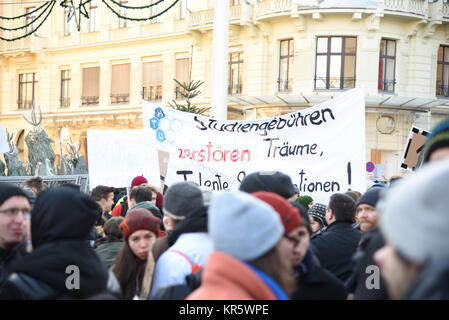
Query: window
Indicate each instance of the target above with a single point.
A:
(122, 23)
(235, 73)
(182, 9)
(68, 25)
(65, 89)
(443, 72)
(30, 17)
(335, 63)
(286, 65)
(235, 2)
(93, 16)
(387, 65)
(154, 10)
(182, 75)
(27, 89)
(152, 81)
(91, 86)
(120, 83)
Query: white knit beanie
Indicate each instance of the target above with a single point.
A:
(415, 214)
(243, 226)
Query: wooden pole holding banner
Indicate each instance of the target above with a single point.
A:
(163, 166)
(220, 60)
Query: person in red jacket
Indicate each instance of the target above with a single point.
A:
(247, 263)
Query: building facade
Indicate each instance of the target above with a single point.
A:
(284, 55)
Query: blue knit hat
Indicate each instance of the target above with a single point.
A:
(439, 138)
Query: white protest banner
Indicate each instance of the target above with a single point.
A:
(4, 145)
(117, 156)
(322, 148)
(413, 149)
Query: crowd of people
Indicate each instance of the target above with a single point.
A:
(264, 241)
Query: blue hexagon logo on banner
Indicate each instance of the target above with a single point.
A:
(160, 136)
(154, 123)
(159, 113)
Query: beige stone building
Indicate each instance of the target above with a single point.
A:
(284, 55)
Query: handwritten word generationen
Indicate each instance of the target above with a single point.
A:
(214, 153)
(297, 119)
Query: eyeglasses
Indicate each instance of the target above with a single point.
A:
(13, 212)
(293, 240)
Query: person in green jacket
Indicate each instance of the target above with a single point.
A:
(109, 246)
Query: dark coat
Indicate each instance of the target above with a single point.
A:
(8, 258)
(108, 251)
(364, 257)
(60, 223)
(432, 282)
(316, 283)
(335, 247)
(180, 291)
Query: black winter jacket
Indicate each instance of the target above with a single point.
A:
(335, 247)
(9, 257)
(364, 258)
(62, 264)
(316, 283)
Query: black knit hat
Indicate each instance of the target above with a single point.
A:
(371, 196)
(318, 211)
(9, 190)
(276, 182)
(438, 139)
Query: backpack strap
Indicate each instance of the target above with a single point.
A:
(194, 267)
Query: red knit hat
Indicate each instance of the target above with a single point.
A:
(139, 219)
(289, 215)
(137, 181)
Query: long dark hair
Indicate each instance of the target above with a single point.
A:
(272, 264)
(129, 271)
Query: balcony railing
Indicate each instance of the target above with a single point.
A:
(119, 98)
(446, 10)
(235, 89)
(24, 104)
(395, 7)
(64, 102)
(201, 18)
(334, 83)
(414, 7)
(92, 100)
(386, 86)
(180, 93)
(442, 91)
(152, 93)
(22, 44)
(206, 17)
(285, 85)
(234, 13)
(272, 7)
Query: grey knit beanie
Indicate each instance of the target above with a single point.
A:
(243, 226)
(415, 214)
(181, 199)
